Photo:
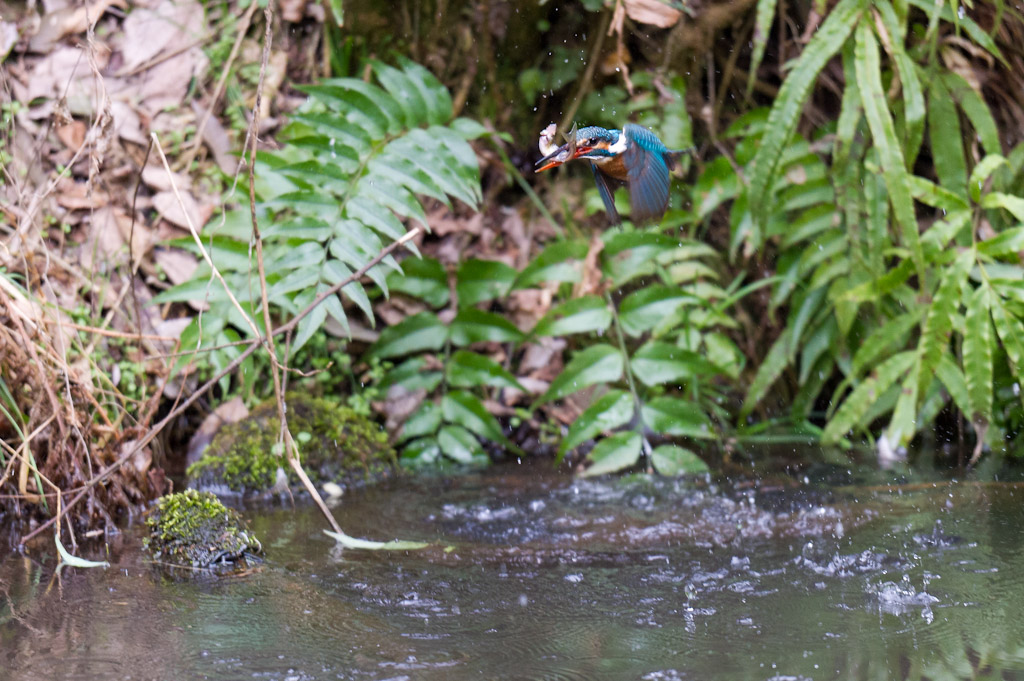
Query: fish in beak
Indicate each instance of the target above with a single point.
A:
(556, 156)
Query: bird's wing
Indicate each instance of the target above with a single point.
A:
(606, 187)
(646, 173)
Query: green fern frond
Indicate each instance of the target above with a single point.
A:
(357, 157)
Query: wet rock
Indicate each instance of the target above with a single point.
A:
(336, 445)
(195, 529)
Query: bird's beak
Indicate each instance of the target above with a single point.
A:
(562, 154)
(554, 159)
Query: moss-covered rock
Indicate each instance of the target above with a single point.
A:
(336, 445)
(195, 528)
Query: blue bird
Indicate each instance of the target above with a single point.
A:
(633, 156)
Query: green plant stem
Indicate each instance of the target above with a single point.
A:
(637, 414)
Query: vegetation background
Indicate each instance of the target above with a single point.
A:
(840, 264)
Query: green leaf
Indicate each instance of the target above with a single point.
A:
(883, 340)
(476, 326)
(762, 27)
(420, 332)
(785, 113)
(459, 444)
(1011, 333)
(1008, 202)
(643, 309)
(977, 352)
(469, 370)
(613, 409)
(672, 461)
(412, 376)
(74, 561)
(311, 323)
(976, 109)
(883, 133)
(913, 96)
(981, 172)
(857, 403)
(579, 315)
(424, 421)
(952, 378)
(421, 278)
(365, 544)
(678, 417)
(561, 261)
(627, 255)
(480, 280)
(439, 101)
(424, 451)
(597, 364)
(771, 368)
(946, 140)
(656, 363)
(903, 423)
(874, 289)
(961, 20)
(938, 320)
(466, 410)
(614, 453)
(400, 86)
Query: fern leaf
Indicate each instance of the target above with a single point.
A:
(977, 352)
(436, 96)
(946, 140)
(857, 403)
(1011, 333)
(883, 133)
(953, 380)
(785, 113)
(400, 86)
(762, 28)
(938, 320)
(883, 339)
(771, 368)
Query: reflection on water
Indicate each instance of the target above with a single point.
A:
(538, 576)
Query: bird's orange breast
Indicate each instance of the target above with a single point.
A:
(613, 166)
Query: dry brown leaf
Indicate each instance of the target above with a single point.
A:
(77, 195)
(72, 135)
(170, 209)
(8, 38)
(653, 12)
(545, 354)
(277, 70)
(399, 405)
(292, 10)
(443, 222)
(231, 411)
(176, 264)
(527, 306)
(216, 138)
(127, 123)
(68, 21)
(156, 178)
(591, 283)
(165, 85)
(168, 26)
(65, 72)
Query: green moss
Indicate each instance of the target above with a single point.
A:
(195, 528)
(336, 444)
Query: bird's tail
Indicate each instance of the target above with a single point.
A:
(672, 156)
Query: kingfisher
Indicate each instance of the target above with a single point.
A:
(633, 156)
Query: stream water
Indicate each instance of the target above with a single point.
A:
(543, 576)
